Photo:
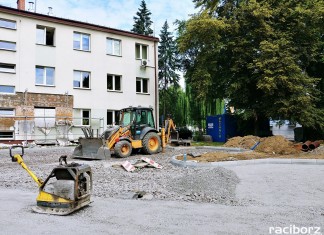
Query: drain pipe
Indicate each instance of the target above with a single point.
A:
(305, 146)
(314, 145)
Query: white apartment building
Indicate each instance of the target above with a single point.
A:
(57, 75)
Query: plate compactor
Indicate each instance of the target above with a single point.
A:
(66, 189)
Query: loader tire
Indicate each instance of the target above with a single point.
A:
(151, 143)
(123, 149)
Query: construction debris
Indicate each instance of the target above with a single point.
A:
(139, 164)
(151, 162)
(128, 166)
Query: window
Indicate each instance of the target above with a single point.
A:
(112, 117)
(81, 79)
(7, 112)
(113, 47)
(85, 115)
(145, 117)
(45, 35)
(141, 51)
(142, 85)
(44, 117)
(7, 68)
(113, 82)
(4, 45)
(44, 76)
(6, 134)
(7, 89)
(9, 24)
(81, 41)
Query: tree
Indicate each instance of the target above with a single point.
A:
(256, 54)
(201, 105)
(142, 22)
(169, 64)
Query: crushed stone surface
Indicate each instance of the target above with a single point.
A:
(214, 185)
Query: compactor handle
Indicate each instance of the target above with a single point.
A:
(14, 147)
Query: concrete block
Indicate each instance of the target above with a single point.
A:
(304, 161)
(261, 161)
(228, 163)
(279, 161)
(320, 161)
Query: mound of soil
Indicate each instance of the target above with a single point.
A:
(246, 142)
(276, 145)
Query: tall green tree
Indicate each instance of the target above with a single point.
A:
(201, 105)
(142, 20)
(169, 64)
(256, 54)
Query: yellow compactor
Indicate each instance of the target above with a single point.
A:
(67, 188)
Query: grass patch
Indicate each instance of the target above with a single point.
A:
(201, 143)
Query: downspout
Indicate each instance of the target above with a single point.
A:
(156, 89)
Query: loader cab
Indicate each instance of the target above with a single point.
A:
(138, 118)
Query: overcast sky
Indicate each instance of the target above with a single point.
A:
(114, 13)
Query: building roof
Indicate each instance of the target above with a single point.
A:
(74, 23)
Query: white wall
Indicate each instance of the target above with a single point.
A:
(65, 60)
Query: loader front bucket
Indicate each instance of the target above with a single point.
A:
(91, 148)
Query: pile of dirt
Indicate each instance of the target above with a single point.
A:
(273, 145)
(276, 145)
(246, 142)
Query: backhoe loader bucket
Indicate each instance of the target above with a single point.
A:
(91, 148)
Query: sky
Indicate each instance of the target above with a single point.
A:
(114, 13)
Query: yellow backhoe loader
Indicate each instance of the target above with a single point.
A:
(65, 190)
(136, 131)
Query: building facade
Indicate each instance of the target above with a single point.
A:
(57, 75)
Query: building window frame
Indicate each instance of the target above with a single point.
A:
(142, 86)
(12, 24)
(3, 136)
(4, 89)
(9, 112)
(7, 46)
(141, 51)
(47, 38)
(112, 117)
(81, 41)
(114, 83)
(85, 117)
(79, 80)
(45, 76)
(114, 47)
(7, 68)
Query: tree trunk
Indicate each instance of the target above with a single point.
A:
(261, 125)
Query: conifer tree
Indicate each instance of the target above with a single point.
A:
(169, 64)
(142, 20)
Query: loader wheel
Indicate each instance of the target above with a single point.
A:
(151, 143)
(123, 149)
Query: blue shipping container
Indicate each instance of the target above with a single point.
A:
(221, 127)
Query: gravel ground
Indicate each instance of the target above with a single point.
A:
(233, 200)
(216, 185)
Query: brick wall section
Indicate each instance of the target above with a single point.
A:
(24, 106)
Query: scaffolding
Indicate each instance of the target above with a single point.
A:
(47, 129)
